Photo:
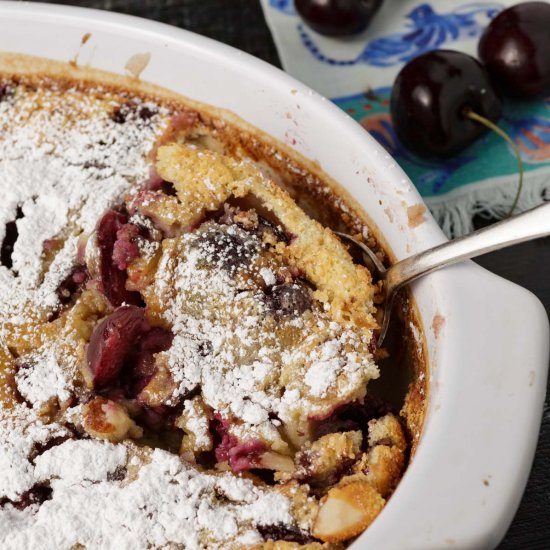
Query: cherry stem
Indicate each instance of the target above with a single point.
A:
(468, 113)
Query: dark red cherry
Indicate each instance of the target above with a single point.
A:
(515, 49)
(429, 98)
(114, 257)
(240, 455)
(125, 249)
(337, 17)
(290, 299)
(112, 341)
(226, 249)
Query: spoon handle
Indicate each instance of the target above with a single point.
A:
(523, 227)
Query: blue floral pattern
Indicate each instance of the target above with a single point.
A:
(424, 31)
(527, 124)
(284, 6)
(373, 59)
(532, 137)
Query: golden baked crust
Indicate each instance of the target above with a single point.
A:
(204, 180)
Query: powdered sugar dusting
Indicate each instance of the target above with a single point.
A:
(197, 424)
(41, 378)
(169, 502)
(252, 364)
(75, 462)
(330, 360)
(268, 276)
(63, 161)
(20, 432)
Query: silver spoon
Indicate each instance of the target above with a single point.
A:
(523, 227)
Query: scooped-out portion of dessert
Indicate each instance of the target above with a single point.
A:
(185, 353)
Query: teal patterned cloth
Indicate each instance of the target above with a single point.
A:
(357, 75)
(528, 123)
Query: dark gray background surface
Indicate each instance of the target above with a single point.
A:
(240, 23)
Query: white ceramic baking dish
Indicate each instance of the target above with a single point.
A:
(489, 358)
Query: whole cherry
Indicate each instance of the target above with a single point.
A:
(112, 341)
(337, 17)
(515, 49)
(431, 98)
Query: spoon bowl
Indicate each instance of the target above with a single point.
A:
(532, 224)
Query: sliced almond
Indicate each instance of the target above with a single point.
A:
(105, 419)
(347, 511)
(277, 462)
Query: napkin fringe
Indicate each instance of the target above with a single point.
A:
(455, 211)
